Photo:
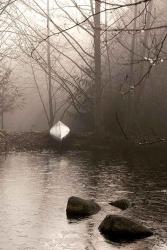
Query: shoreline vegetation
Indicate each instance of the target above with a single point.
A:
(41, 140)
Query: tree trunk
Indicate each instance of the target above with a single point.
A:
(98, 78)
(131, 103)
(147, 20)
(2, 120)
(51, 114)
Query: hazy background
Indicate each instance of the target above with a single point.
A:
(21, 19)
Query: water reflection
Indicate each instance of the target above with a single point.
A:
(35, 187)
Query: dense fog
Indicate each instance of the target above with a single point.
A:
(96, 65)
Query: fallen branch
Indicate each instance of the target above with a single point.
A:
(152, 142)
(120, 126)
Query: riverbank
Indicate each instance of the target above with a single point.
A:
(23, 141)
(38, 141)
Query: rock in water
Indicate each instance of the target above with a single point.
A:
(117, 228)
(122, 204)
(79, 208)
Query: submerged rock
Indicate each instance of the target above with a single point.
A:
(78, 207)
(117, 228)
(122, 204)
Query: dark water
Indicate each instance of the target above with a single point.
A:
(34, 188)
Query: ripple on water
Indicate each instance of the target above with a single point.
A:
(35, 187)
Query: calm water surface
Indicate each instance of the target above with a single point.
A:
(34, 188)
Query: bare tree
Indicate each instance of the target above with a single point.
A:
(10, 97)
(69, 56)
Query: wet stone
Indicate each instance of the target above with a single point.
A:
(79, 208)
(118, 228)
(122, 204)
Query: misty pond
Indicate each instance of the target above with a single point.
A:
(35, 187)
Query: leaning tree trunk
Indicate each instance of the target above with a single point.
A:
(98, 78)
